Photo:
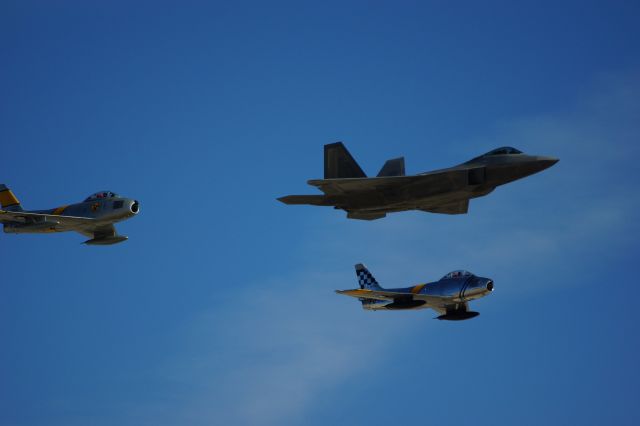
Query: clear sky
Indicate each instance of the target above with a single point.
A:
(220, 307)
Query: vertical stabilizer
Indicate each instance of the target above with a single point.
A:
(8, 201)
(393, 167)
(338, 163)
(366, 279)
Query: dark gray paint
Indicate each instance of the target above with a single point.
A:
(446, 191)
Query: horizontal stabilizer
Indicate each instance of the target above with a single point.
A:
(338, 163)
(314, 200)
(393, 167)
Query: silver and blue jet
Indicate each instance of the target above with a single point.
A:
(448, 296)
(447, 191)
(94, 217)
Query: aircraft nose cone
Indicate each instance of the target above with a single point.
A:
(546, 162)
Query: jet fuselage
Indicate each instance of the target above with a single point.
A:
(448, 296)
(447, 191)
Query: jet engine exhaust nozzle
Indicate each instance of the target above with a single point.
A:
(135, 207)
(490, 285)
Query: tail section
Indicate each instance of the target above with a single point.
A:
(366, 279)
(338, 163)
(8, 201)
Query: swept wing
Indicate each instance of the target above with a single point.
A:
(24, 217)
(439, 304)
(98, 231)
(363, 293)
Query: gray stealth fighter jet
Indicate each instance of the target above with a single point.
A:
(94, 217)
(447, 191)
(448, 296)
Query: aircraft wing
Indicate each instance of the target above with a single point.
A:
(437, 180)
(341, 186)
(362, 293)
(24, 217)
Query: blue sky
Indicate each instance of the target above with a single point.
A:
(220, 307)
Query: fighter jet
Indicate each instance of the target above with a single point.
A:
(94, 217)
(447, 191)
(448, 296)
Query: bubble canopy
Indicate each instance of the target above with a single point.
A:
(100, 195)
(457, 274)
(503, 151)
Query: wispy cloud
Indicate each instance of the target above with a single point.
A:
(262, 361)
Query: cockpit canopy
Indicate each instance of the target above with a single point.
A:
(457, 274)
(505, 150)
(502, 151)
(100, 195)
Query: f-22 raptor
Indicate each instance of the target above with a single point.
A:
(448, 296)
(447, 191)
(94, 217)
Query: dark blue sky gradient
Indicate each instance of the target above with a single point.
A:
(220, 307)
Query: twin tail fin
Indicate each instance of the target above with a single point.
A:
(340, 164)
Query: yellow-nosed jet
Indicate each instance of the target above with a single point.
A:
(94, 217)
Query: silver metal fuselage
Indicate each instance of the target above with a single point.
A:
(448, 291)
(104, 212)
